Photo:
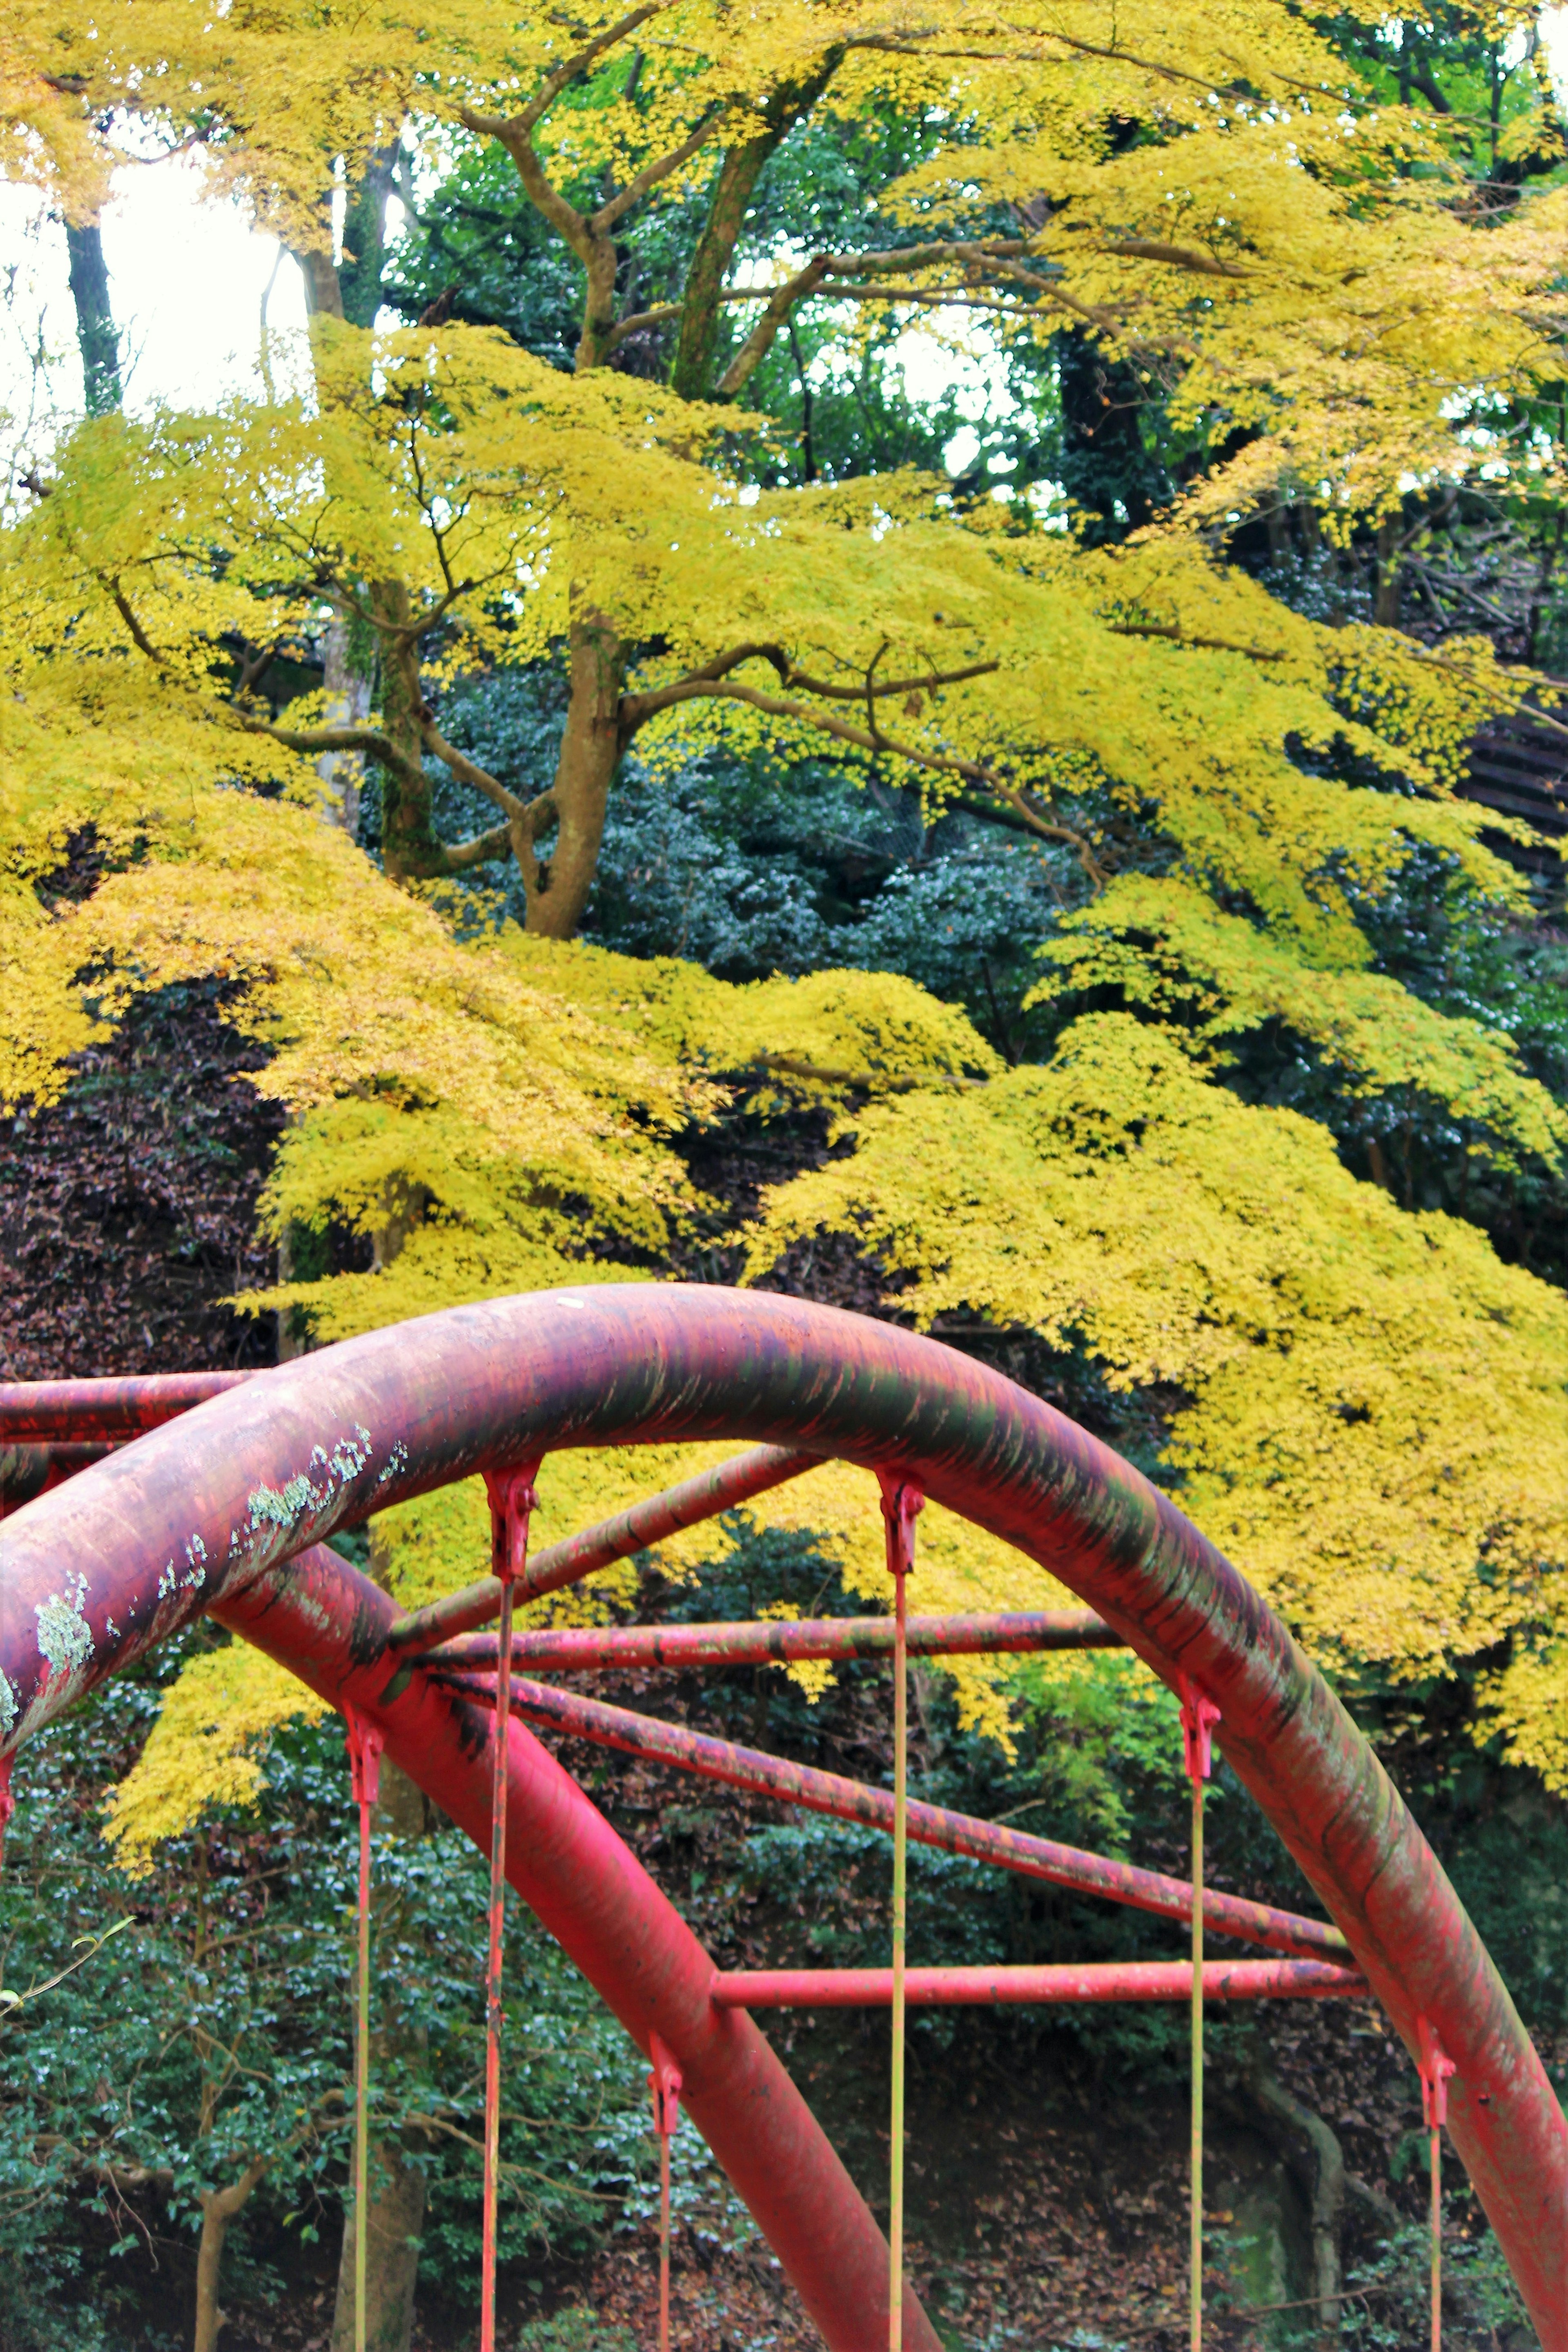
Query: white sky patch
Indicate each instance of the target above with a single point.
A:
(186, 276)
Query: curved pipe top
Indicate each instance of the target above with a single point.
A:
(96, 1570)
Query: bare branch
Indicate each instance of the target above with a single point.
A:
(760, 342)
(463, 854)
(1180, 257)
(139, 635)
(638, 709)
(1181, 638)
(469, 772)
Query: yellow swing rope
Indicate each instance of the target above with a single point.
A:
(1199, 1715)
(901, 1503)
(512, 1503)
(365, 1745)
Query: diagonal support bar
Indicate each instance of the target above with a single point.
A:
(631, 1531)
(853, 1801)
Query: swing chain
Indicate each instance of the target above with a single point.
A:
(664, 2081)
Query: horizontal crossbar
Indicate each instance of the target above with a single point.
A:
(769, 1641)
(1089, 1980)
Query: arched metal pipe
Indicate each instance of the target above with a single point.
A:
(194, 1512)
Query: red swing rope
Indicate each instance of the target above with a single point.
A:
(513, 1500)
(902, 1502)
(1199, 1715)
(1436, 2069)
(664, 2082)
(364, 1744)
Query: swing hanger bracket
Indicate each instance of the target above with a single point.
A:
(1199, 1716)
(1437, 2069)
(364, 1741)
(512, 1504)
(903, 1500)
(664, 2081)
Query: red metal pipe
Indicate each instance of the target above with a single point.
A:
(1086, 1980)
(77, 1411)
(113, 1560)
(29, 1470)
(323, 1620)
(853, 1801)
(771, 1641)
(628, 1531)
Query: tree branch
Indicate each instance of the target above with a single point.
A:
(695, 689)
(1180, 637)
(760, 342)
(469, 772)
(637, 709)
(652, 174)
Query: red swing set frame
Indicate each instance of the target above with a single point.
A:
(148, 1501)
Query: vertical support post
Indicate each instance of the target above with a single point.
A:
(902, 1503)
(364, 1743)
(1199, 1715)
(664, 2082)
(1436, 2069)
(512, 1501)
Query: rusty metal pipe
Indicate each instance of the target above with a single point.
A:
(631, 1531)
(778, 1642)
(1089, 1980)
(75, 1412)
(26, 1470)
(853, 1801)
(94, 1572)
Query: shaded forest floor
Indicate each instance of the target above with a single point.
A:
(1047, 2185)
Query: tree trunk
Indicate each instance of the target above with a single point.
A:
(323, 294)
(1328, 2192)
(364, 240)
(692, 373)
(95, 330)
(409, 847)
(557, 888)
(347, 705)
(219, 2207)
